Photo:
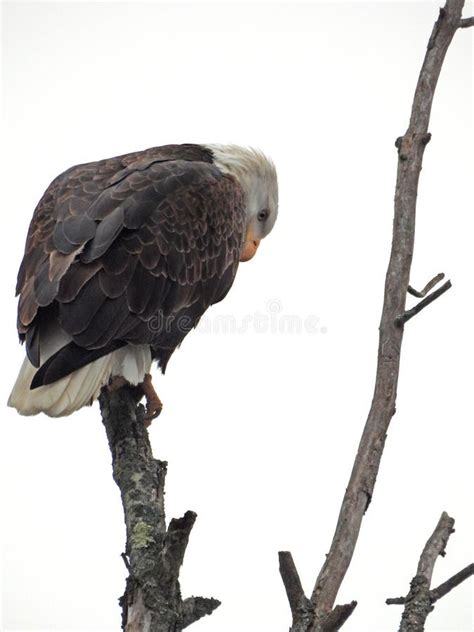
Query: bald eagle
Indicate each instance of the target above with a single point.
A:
(123, 257)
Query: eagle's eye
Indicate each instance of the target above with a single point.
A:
(263, 214)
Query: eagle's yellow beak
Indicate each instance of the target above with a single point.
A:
(250, 247)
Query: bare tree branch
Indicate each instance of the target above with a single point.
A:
(412, 145)
(292, 583)
(395, 601)
(466, 22)
(435, 546)
(429, 286)
(175, 543)
(420, 599)
(359, 491)
(446, 587)
(154, 553)
(409, 313)
(194, 608)
(442, 590)
(337, 617)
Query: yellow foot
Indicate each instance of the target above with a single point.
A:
(153, 402)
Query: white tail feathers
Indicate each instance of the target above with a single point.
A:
(81, 387)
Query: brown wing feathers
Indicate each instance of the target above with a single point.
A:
(114, 244)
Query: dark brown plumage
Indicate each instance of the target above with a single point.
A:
(131, 249)
(123, 257)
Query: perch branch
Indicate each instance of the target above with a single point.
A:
(359, 491)
(466, 22)
(420, 599)
(154, 553)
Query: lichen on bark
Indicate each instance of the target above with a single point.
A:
(154, 551)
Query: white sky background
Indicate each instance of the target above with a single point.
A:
(260, 428)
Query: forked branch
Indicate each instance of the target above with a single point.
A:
(154, 552)
(409, 313)
(420, 599)
(323, 616)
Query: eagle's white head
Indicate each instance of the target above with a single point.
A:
(257, 176)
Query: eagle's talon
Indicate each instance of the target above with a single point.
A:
(153, 402)
(152, 412)
(153, 409)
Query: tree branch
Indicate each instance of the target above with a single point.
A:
(359, 491)
(435, 546)
(420, 599)
(429, 286)
(154, 554)
(300, 605)
(466, 23)
(337, 617)
(446, 587)
(395, 601)
(442, 590)
(401, 320)
(194, 608)
(292, 583)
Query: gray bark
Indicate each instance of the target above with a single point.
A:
(319, 614)
(154, 552)
(420, 599)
